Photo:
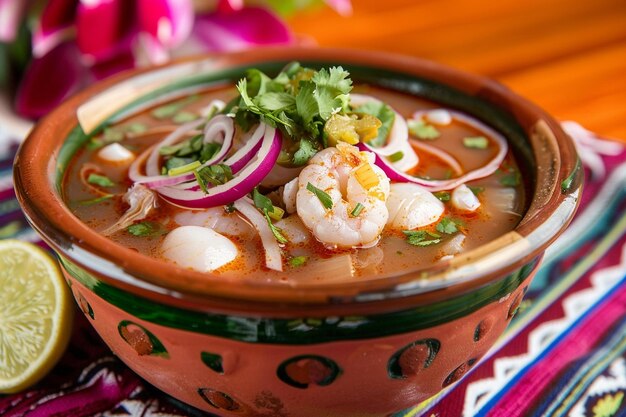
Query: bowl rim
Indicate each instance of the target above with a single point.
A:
(552, 208)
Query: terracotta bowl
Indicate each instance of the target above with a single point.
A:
(367, 348)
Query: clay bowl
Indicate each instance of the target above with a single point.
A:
(367, 348)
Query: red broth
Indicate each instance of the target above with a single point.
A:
(502, 204)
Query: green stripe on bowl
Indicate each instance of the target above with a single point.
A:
(301, 331)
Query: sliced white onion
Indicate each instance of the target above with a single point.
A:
(398, 139)
(116, 154)
(438, 185)
(273, 257)
(464, 199)
(441, 117)
(243, 183)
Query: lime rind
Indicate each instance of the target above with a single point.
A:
(35, 314)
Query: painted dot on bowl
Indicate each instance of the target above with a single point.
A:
(213, 361)
(84, 305)
(413, 358)
(455, 375)
(218, 399)
(304, 370)
(515, 305)
(482, 328)
(143, 341)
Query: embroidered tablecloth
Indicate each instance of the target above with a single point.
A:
(563, 355)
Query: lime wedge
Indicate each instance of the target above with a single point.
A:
(36, 314)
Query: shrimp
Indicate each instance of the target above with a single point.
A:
(358, 190)
(411, 206)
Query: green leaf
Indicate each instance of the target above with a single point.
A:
(448, 226)
(101, 180)
(357, 210)
(144, 229)
(330, 87)
(304, 152)
(476, 142)
(136, 128)
(112, 135)
(385, 114)
(306, 104)
(476, 189)
(442, 195)
(169, 110)
(184, 117)
(511, 179)
(213, 174)
(321, 195)
(423, 130)
(297, 261)
(261, 202)
(395, 157)
(275, 101)
(96, 200)
(278, 235)
(421, 237)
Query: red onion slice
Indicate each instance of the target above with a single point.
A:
(273, 257)
(397, 140)
(243, 183)
(219, 129)
(439, 185)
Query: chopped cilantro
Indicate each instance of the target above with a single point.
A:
(386, 115)
(331, 90)
(144, 229)
(511, 179)
(136, 128)
(213, 174)
(183, 169)
(304, 152)
(229, 208)
(321, 195)
(112, 135)
(423, 130)
(169, 110)
(476, 189)
(421, 237)
(278, 235)
(448, 226)
(357, 210)
(297, 261)
(442, 195)
(184, 117)
(395, 157)
(261, 202)
(476, 142)
(95, 200)
(101, 180)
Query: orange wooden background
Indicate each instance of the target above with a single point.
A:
(568, 56)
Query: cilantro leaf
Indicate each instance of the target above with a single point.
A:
(511, 179)
(321, 195)
(423, 130)
(448, 226)
(304, 152)
(297, 261)
(146, 229)
(275, 101)
(421, 237)
(213, 174)
(101, 180)
(385, 114)
(278, 235)
(443, 196)
(261, 202)
(331, 86)
(476, 142)
(306, 105)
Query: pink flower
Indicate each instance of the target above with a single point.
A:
(78, 41)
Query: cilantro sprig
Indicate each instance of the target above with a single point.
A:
(298, 101)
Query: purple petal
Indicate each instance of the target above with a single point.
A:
(168, 21)
(343, 7)
(102, 26)
(11, 15)
(50, 79)
(54, 25)
(121, 61)
(241, 29)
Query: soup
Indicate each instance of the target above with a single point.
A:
(303, 177)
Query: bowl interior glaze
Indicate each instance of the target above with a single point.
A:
(545, 155)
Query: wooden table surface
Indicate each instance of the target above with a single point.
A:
(568, 56)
